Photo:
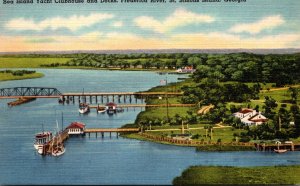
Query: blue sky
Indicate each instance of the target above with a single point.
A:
(254, 24)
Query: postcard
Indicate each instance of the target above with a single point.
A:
(149, 92)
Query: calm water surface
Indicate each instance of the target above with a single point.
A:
(96, 160)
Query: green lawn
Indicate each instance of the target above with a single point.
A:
(225, 134)
(27, 62)
(161, 112)
(9, 76)
(281, 96)
(197, 175)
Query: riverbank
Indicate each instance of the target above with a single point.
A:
(9, 76)
(198, 175)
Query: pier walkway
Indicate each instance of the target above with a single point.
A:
(146, 105)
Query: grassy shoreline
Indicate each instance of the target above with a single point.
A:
(10, 77)
(203, 175)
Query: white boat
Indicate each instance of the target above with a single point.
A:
(280, 150)
(58, 148)
(42, 139)
(84, 108)
(101, 109)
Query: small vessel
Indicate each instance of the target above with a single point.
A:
(101, 109)
(280, 150)
(41, 140)
(58, 148)
(84, 108)
(111, 108)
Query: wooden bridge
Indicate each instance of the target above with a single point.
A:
(46, 92)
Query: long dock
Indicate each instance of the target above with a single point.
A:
(63, 136)
(146, 105)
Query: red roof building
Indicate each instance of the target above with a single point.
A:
(76, 128)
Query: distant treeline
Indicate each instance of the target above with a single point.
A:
(242, 67)
(18, 72)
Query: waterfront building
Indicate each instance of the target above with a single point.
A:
(186, 69)
(76, 128)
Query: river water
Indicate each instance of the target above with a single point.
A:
(91, 160)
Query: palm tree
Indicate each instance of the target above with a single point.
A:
(211, 129)
(205, 127)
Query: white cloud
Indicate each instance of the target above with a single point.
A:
(72, 23)
(180, 17)
(256, 27)
(117, 24)
(125, 41)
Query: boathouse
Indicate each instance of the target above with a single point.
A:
(76, 128)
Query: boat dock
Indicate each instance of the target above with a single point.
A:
(64, 135)
(110, 130)
(272, 147)
(146, 105)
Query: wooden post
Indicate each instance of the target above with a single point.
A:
(91, 99)
(130, 98)
(107, 98)
(113, 98)
(79, 99)
(96, 99)
(102, 134)
(73, 99)
(102, 99)
(96, 134)
(110, 134)
(117, 135)
(119, 98)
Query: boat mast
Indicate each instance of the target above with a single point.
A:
(62, 121)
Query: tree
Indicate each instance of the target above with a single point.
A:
(270, 105)
(294, 94)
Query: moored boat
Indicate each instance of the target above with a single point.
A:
(101, 109)
(42, 139)
(111, 108)
(84, 108)
(280, 150)
(58, 148)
